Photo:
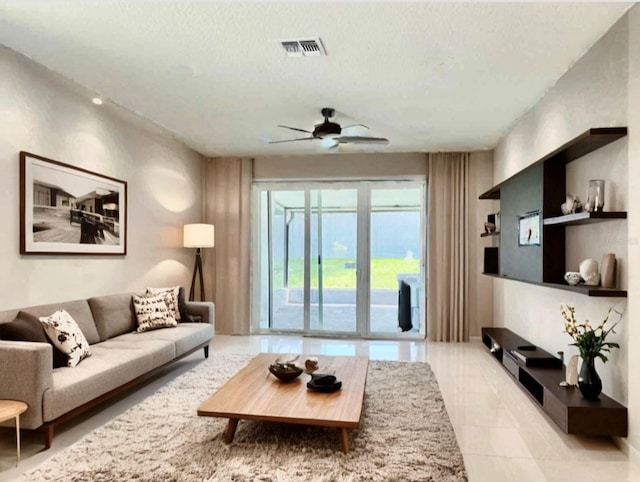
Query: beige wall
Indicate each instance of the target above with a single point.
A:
(52, 117)
(633, 303)
(599, 91)
(480, 286)
(343, 166)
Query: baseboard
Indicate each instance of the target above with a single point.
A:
(627, 449)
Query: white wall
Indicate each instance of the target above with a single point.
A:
(599, 91)
(50, 116)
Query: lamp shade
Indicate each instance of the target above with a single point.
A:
(198, 236)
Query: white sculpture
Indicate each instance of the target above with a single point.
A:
(589, 272)
(572, 371)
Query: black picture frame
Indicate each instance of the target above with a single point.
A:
(69, 210)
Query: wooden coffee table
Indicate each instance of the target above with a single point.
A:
(254, 394)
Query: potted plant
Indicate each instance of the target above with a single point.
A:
(592, 343)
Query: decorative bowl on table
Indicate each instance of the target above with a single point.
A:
(285, 372)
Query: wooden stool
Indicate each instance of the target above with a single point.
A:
(12, 409)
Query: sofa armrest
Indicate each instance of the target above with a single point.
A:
(27, 372)
(204, 309)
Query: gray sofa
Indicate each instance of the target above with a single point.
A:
(120, 358)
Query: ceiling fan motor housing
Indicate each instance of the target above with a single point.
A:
(327, 129)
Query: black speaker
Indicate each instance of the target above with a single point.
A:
(491, 264)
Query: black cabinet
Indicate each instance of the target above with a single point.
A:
(539, 374)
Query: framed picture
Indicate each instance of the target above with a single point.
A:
(69, 210)
(529, 229)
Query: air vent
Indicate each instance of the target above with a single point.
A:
(303, 48)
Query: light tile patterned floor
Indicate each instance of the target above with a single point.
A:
(501, 432)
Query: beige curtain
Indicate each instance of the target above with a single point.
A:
(447, 287)
(227, 207)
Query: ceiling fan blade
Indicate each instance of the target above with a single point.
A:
(295, 129)
(355, 125)
(362, 140)
(293, 140)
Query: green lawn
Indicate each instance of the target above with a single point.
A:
(383, 273)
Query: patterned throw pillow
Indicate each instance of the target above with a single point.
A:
(66, 335)
(152, 313)
(170, 296)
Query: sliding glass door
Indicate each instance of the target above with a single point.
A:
(334, 258)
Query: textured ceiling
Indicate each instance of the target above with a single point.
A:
(428, 76)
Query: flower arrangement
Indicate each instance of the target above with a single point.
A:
(590, 341)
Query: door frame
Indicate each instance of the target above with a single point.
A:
(363, 188)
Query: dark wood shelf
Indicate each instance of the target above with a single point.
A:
(493, 193)
(593, 291)
(538, 373)
(585, 218)
(577, 147)
(485, 235)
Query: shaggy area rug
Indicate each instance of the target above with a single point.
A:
(405, 434)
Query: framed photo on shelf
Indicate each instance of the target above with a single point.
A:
(69, 210)
(529, 229)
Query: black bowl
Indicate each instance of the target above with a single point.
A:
(285, 371)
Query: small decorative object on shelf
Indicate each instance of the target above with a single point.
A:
(589, 272)
(572, 205)
(573, 278)
(595, 196)
(592, 344)
(608, 271)
(489, 227)
(572, 371)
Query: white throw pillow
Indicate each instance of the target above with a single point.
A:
(170, 296)
(67, 336)
(152, 313)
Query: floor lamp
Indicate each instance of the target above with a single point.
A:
(198, 236)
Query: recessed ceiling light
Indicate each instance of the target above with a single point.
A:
(97, 101)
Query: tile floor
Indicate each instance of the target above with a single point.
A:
(502, 434)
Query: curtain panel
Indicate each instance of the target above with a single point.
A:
(228, 208)
(448, 260)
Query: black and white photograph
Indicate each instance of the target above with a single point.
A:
(529, 229)
(69, 210)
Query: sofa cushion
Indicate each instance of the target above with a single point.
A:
(113, 315)
(66, 335)
(79, 311)
(28, 328)
(182, 306)
(152, 313)
(161, 351)
(170, 296)
(108, 368)
(186, 336)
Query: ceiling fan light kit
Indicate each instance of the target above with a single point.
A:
(330, 133)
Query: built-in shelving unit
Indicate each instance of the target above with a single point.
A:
(596, 291)
(549, 174)
(485, 235)
(585, 218)
(585, 143)
(539, 374)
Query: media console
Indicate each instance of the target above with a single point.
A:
(539, 374)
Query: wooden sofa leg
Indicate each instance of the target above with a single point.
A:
(206, 351)
(48, 436)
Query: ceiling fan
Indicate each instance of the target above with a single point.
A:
(331, 133)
